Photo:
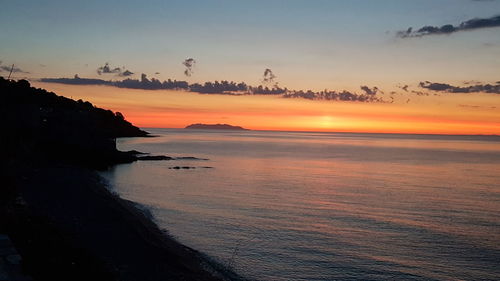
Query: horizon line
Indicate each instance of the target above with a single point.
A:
(333, 132)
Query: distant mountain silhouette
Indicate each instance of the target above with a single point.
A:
(215, 127)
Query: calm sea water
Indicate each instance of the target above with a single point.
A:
(326, 206)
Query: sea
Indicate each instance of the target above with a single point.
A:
(324, 206)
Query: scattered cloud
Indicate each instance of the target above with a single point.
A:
(472, 24)
(268, 76)
(126, 73)
(404, 88)
(106, 69)
(369, 91)
(478, 88)
(189, 64)
(8, 68)
(420, 93)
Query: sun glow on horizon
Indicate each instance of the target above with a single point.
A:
(177, 109)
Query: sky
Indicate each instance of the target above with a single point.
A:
(308, 44)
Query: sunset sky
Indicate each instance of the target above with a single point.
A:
(308, 44)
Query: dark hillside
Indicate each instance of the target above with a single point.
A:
(42, 125)
(58, 212)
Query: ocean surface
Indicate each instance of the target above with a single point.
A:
(325, 206)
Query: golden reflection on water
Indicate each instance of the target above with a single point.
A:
(325, 206)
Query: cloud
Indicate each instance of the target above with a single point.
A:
(472, 24)
(369, 91)
(126, 73)
(333, 96)
(224, 88)
(471, 82)
(76, 81)
(477, 106)
(189, 64)
(404, 88)
(106, 69)
(12, 67)
(443, 87)
(268, 76)
(419, 93)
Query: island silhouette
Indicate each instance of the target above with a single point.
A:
(215, 127)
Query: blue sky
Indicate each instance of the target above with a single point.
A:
(308, 43)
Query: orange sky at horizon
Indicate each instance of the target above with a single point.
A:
(445, 114)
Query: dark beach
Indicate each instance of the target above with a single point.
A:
(58, 212)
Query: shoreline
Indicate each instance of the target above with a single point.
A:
(113, 234)
(146, 217)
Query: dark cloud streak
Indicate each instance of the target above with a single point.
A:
(333, 96)
(443, 87)
(472, 24)
(224, 88)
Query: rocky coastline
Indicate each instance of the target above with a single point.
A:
(56, 209)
